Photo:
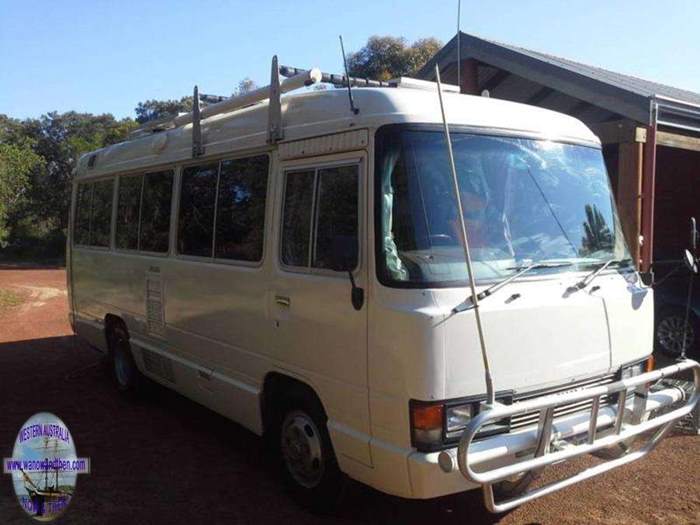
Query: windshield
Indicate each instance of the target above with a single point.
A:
(524, 201)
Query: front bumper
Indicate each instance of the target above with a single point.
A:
(485, 462)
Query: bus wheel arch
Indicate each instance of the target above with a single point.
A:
(124, 370)
(295, 429)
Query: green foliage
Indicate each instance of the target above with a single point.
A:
(17, 162)
(158, 109)
(386, 57)
(37, 159)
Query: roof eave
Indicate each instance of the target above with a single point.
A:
(601, 94)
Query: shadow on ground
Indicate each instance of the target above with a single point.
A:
(165, 459)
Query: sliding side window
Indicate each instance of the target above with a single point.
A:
(128, 209)
(81, 228)
(240, 212)
(93, 215)
(101, 215)
(143, 211)
(155, 211)
(197, 204)
(320, 210)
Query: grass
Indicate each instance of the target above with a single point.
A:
(9, 299)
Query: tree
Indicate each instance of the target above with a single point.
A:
(37, 159)
(17, 162)
(157, 109)
(386, 57)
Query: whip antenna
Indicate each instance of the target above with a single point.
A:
(354, 110)
(459, 47)
(490, 394)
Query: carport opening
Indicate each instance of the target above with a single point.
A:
(677, 199)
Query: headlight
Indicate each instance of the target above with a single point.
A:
(637, 368)
(457, 419)
(631, 371)
(438, 425)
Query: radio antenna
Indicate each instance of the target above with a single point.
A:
(354, 110)
(490, 394)
(459, 47)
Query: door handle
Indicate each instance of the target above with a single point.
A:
(283, 301)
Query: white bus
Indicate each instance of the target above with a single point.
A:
(314, 288)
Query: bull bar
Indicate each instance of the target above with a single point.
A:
(553, 448)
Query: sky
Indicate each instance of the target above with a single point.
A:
(102, 56)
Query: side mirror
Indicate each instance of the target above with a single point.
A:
(690, 262)
(344, 259)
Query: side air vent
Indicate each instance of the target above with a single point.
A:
(158, 365)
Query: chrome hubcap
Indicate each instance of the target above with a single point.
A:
(669, 334)
(301, 449)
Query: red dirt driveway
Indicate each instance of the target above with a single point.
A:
(168, 460)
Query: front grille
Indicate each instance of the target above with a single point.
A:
(531, 418)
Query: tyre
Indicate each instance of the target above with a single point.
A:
(308, 463)
(669, 332)
(126, 375)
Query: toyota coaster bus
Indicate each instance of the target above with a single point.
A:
(297, 263)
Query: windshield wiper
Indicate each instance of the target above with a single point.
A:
(595, 273)
(520, 270)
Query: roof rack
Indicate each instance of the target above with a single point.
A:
(220, 105)
(206, 106)
(402, 82)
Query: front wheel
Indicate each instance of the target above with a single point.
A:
(670, 331)
(309, 464)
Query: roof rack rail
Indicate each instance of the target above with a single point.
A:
(220, 105)
(402, 82)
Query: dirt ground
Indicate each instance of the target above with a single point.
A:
(168, 460)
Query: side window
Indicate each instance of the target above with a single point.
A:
(155, 211)
(83, 204)
(336, 214)
(240, 212)
(331, 194)
(101, 216)
(93, 213)
(196, 215)
(296, 220)
(128, 206)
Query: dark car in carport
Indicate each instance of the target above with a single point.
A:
(671, 296)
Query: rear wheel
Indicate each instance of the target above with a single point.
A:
(127, 376)
(309, 465)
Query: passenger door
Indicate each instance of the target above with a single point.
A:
(317, 333)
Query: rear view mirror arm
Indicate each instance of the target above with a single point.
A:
(357, 295)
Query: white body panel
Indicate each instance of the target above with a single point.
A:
(224, 329)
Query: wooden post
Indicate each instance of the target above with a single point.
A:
(629, 194)
(648, 191)
(469, 83)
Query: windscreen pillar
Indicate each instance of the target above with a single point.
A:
(469, 77)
